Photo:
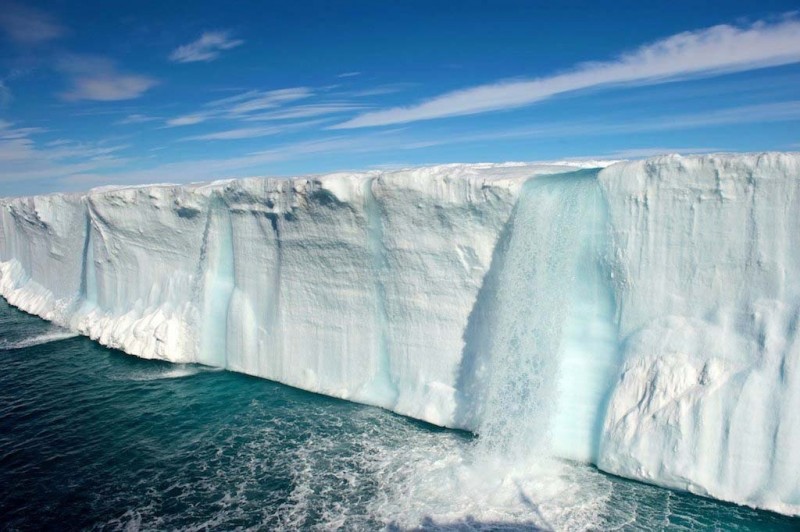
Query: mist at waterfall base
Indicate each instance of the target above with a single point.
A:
(92, 438)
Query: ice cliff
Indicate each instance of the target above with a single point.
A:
(643, 317)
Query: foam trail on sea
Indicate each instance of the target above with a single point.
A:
(40, 339)
(177, 372)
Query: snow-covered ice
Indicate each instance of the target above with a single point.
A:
(642, 316)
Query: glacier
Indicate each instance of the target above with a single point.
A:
(641, 316)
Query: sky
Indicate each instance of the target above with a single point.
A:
(101, 92)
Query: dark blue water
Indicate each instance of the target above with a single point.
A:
(91, 438)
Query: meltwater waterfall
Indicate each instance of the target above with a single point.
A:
(216, 272)
(552, 347)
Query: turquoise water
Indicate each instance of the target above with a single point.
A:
(91, 438)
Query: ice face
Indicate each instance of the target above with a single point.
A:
(642, 317)
(707, 252)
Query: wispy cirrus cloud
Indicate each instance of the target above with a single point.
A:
(5, 94)
(10, 132)
(396, 140)
(307, 111)
(711, 51)
(242, 105)
(379, 90)
(27, 25)
(137, 119)
(260, 100)
(187, 120)
(764, 112)
(238, 133)
(207, 48)
(25, 147)
(254, 132)
(221, 168)
(68, 149)
(786, 111)
(23, 158)
(97, 78)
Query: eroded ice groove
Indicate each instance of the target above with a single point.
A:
(144, 282)
(419, 291)
(381, 389)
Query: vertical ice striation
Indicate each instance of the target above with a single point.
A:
(643, 317)
(144, 282)
(380, 389)
(43, 239)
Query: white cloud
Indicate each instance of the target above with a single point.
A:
(715, 50)
(239, 133)
(348, 74)
(767, 112)
(380, 90)
(9, 132)
(307, 111)
(772, 112)
(67, 149)
(253, 132)
(241, 105)
(5, 94)
(109, 87)
(207, 48)
(27, 25)
(186, 120)
(208, 169)
(260, 101)
(393, 140)
(25, 160)
(66, 164)
(137, 119)
(97, 78)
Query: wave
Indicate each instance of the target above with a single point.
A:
(44, 338)
(177, 372)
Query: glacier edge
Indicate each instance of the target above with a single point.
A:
(672, 358)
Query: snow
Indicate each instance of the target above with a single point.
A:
(639, 315)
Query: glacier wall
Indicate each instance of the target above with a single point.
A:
(642, 316)
(707, 261)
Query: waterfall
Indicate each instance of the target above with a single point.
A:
(217, 260)
(553, 276)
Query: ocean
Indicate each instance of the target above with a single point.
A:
(94, 439)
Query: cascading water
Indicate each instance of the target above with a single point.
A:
(552, 272)
(218, 284)
(541, 353)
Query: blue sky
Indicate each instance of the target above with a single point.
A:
(103, 93)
